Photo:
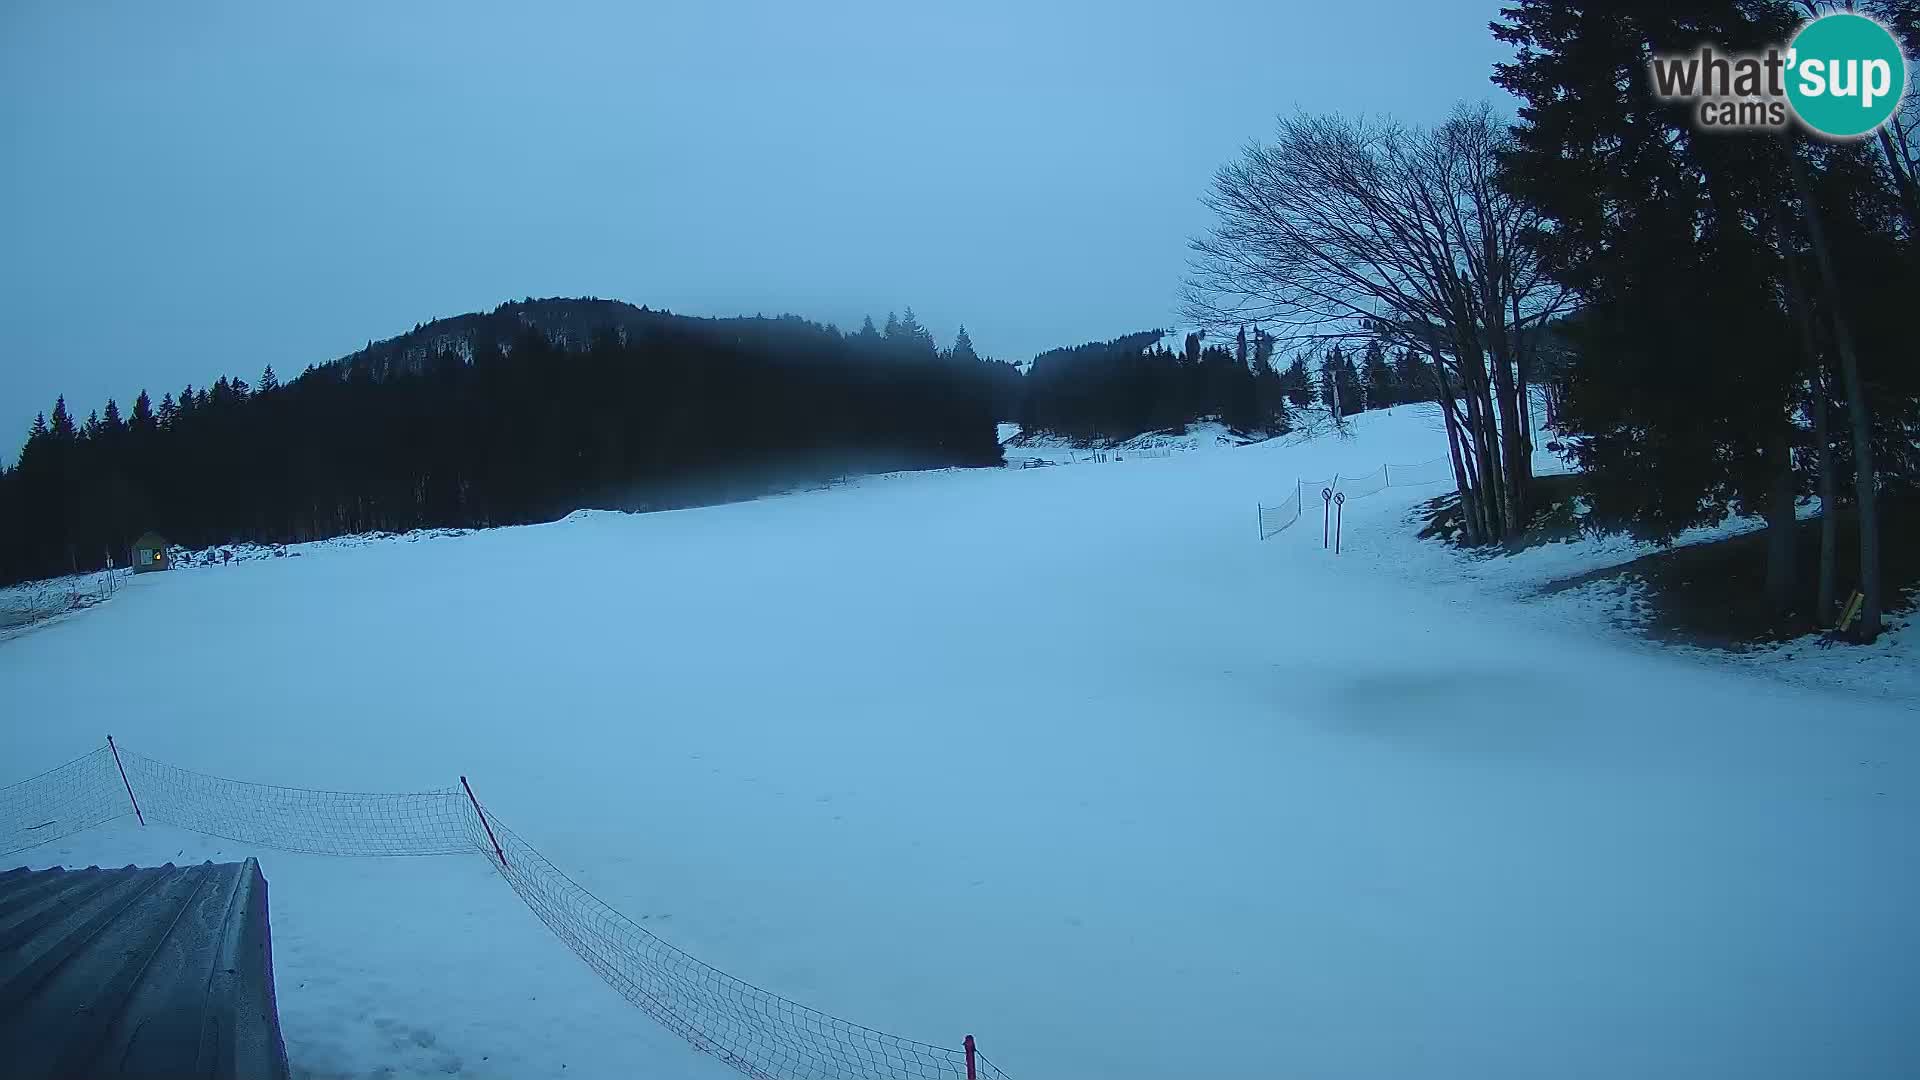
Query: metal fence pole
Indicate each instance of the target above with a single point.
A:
(138, 816)
(483, 822)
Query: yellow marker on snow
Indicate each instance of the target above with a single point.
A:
(1854, 603)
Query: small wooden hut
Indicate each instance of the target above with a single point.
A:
(150, 553)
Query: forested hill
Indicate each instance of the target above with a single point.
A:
(517, 415)
(568, 323)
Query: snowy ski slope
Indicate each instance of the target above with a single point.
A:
(1065, 758)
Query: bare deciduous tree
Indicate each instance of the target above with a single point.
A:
(1343, 228)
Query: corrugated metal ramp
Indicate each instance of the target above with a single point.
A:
(140, 972)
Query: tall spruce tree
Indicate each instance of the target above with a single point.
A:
(963, 347)
(1299, 383)
(1682, 374)
(1376, 377)
(1412, 377)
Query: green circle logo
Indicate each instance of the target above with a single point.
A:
(1845, 75)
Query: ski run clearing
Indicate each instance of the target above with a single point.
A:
(1062, 757)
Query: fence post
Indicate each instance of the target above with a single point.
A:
(483, 822)
(1386, 477)
(138, 816)
(971, 1074)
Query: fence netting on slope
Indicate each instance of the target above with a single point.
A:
(60, 802)
(1359, 487)
(757, 1032)
(1438, 470)
(23, 605)
(301, 819)
(90, 790)
(1274, 520)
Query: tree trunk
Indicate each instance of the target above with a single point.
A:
(1487, 449)
(1501, 344)
(1523, 388)
(1512, 442)
(1817, 412)
(1462, 477)
(1470, 510)
(1470, 453)
(1829, 512)
(1780, 518)
(1860, 421)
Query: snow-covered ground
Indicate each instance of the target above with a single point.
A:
(29, 603)
(1021, 447)
(1065, 758)
(1612, 609)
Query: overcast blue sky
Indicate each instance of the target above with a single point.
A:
(191, 189)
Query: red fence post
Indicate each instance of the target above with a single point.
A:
(483, 822)
(971, 1075)
(123, 779)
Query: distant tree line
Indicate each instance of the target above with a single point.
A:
(1114, 390)
(1374, 382)
(516, 416)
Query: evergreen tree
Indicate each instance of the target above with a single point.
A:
(913, 337)
(1413, 380)
(1238, 392)
(1340, 383)
(1298, 382)
(1682, 373)
(1270, 391)
(1377, 378)
(268, 381)
(62, 425)
(963, 347)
